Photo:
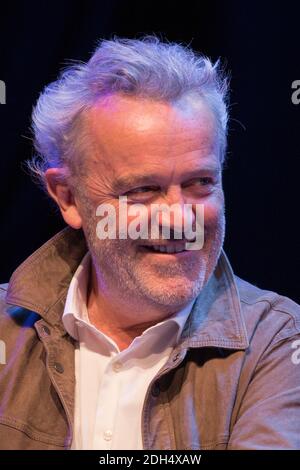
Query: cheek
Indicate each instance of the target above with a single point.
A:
(214, 211)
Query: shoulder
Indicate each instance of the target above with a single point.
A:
(3, 290)
(3, 304)
(273, 313)
(13, 317)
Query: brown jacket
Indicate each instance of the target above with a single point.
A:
(231, 383)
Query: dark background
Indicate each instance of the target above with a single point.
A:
(259, 42)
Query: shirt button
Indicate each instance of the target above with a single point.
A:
(45, 330)
(176, 357)
(58, 367)
(117, 366)
(107, 435)
(155, 390)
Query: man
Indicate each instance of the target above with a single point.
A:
(131, 342)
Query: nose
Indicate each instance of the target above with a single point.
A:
(176, 213)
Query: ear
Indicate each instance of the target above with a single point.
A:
(62, 194)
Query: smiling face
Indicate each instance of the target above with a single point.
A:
(152, 152)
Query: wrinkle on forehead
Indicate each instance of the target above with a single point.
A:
(131, 129)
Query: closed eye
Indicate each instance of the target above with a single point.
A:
(142, 189)
(142, 193)
(201, 181)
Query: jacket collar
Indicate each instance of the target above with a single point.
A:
(41, 282)
(216, 319)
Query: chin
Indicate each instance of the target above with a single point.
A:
(174, 294)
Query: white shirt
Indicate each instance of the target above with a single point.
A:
(111, 385)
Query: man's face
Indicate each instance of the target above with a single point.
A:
(151, 152)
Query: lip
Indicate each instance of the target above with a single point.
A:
(174, 244)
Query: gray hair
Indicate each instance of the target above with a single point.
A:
(146, 68)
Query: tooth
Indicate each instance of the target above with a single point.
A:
(167, 249)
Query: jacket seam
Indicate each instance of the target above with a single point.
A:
(228, 276)
(223, 439)
(29, 431)
(28, 305)
(272, 304)
(281, 310)
(167, 408)
(289, 334)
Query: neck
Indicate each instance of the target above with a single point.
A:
(120, 318)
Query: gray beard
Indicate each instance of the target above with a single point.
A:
(117, 269)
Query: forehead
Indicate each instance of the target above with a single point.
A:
(129, 130)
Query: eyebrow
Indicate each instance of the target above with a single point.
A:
(140, 179)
